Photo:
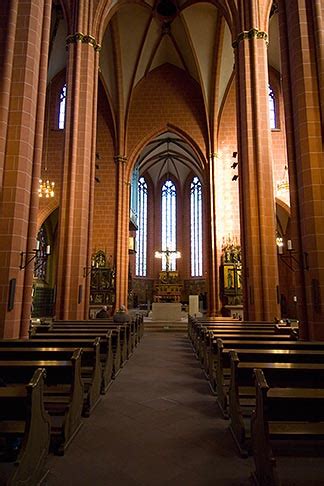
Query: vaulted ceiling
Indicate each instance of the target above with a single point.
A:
(144, 35)
(167, 156)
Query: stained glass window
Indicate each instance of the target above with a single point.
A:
(61, 123)
(141, 238)
(169, 201)
(196, 227)
(272, 108)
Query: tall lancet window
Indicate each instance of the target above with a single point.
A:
(62, 107)
(196, 227)
(272, 108)
(169, 234)
(141, 238)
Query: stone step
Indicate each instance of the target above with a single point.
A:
(165, 326)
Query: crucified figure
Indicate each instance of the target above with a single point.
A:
(167, 253)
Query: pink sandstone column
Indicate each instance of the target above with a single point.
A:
(77, 190)
(19, 175)
(258, 225)
(213, 261)
(122, 234)
(303, 96)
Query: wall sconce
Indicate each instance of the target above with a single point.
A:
(88, 270)
(291, 258)
(26, 257)
(279, 242)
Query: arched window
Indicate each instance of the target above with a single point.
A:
(62, 107)
(141, 240)
(169, 201)
(196, 227)
(272, 108)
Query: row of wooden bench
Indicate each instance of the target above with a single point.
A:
(49, 382)
(269, 385)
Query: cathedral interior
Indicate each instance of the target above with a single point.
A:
(192, 131)
(161, 160)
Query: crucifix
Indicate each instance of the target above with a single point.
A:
(167, 253)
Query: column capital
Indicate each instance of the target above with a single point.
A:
(83, 39)
(120, 159)
(253, 33)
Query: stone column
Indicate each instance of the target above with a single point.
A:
(257, 206)
(78, 172)
(301, 31)
(121, 241)
(27, 41)
(213, 292)
(8, 25)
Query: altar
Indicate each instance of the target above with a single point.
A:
(166, 311)
(168, 288)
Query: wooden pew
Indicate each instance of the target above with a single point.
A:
(305, 371)
(135, 328)
(210, 352)
(289, 417)
(220, 375)
(204, 331)
(209, 334)
(24, 432)
(106, 354)
(123, 330)
(63, 393)
(91, 373)
(198, 326)
(107, 338)
(211, 362)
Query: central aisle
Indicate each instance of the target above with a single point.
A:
(158, 425)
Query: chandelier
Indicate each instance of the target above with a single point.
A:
(283, 184)
(46, 187)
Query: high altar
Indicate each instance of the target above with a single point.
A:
(167, 291)
(168, 288)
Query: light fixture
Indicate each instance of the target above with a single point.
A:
(279, 242)
(26, 257)
(283, 184)
(291, 258)
(46, 187)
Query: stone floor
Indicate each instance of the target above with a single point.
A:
(158, 425)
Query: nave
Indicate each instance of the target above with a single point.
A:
(157, 425)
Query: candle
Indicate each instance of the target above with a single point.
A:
(37, 244)
(48, 250)
(289, 245)
(280, 249)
